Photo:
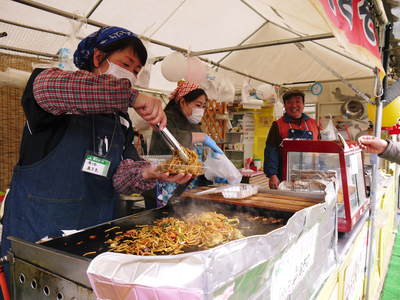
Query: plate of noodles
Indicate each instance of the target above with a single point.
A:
(175, 165)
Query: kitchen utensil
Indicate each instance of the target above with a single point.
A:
(173, 144)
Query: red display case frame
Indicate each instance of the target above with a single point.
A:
(306, 146)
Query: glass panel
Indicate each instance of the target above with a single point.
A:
(355, 177)
(317, 165)
(306, 165)
(301, 165)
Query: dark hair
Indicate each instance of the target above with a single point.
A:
(293, 93)
(189, 97)
(136, 44)
(193, 95)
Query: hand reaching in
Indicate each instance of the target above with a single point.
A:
(274, 182)
(372, 144)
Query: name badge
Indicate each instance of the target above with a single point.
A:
(96, 165)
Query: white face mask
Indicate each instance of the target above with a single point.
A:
(119, 72)
(197, 114)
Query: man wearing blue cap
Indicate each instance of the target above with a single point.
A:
(76, 152)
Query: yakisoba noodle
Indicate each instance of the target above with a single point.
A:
(172, 235)
(175, 165)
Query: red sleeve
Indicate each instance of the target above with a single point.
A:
(82, 92)
(128, 178)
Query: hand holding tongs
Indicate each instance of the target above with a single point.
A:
(173, 143)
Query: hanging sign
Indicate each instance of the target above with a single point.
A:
(351, 23)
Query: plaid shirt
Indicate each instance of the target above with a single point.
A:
(82, 92)
(59, 92)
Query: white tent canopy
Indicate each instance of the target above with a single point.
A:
(194, 25)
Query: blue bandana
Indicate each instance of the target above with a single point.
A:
(104, 36)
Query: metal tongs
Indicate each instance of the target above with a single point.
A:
(173, 144)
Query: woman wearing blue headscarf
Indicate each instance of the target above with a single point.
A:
(76, 153)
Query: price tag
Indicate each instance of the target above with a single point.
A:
(96, 165)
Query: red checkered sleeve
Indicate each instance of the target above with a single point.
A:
(82, 92)
(128, 178)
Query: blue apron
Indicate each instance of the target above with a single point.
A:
(299, 134)
(55, 194)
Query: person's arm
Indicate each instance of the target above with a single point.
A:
(386, 149)
(271, 156)
(81, 92)
(129, 178)
(392, 152)
(60, 92)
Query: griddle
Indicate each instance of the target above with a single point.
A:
(59, 263)
(93, 239)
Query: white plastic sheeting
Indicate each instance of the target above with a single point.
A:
(291, 262)
(195, 25)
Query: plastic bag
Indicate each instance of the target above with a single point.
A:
(218, 165)
(330, 131)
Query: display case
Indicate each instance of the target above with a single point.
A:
(305, 159)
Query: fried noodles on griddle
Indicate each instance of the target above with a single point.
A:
(175, 165)
(172, 236)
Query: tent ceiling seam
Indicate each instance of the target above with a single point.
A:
(293, 32)
(94, 8)
(167, 18)
(243, 41)
(53, 10)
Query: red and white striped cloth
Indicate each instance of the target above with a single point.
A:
(183, 88)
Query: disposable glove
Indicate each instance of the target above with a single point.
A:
(220, 180)
(212, 144)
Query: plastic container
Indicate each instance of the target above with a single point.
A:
(182, 168)
(239, 191)
(155, 160)
(161, 160)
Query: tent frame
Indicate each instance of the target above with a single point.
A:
(298, 39)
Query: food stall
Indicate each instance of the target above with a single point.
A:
(314, 252)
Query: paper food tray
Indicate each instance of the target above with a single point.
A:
(239, 191)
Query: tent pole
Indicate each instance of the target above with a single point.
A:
(375, 166)
(327, 81)
(88, 21)
(58, 12)
(380, 12)
(27, 51)
(237, 72)
(32, 27)
(266, 44)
